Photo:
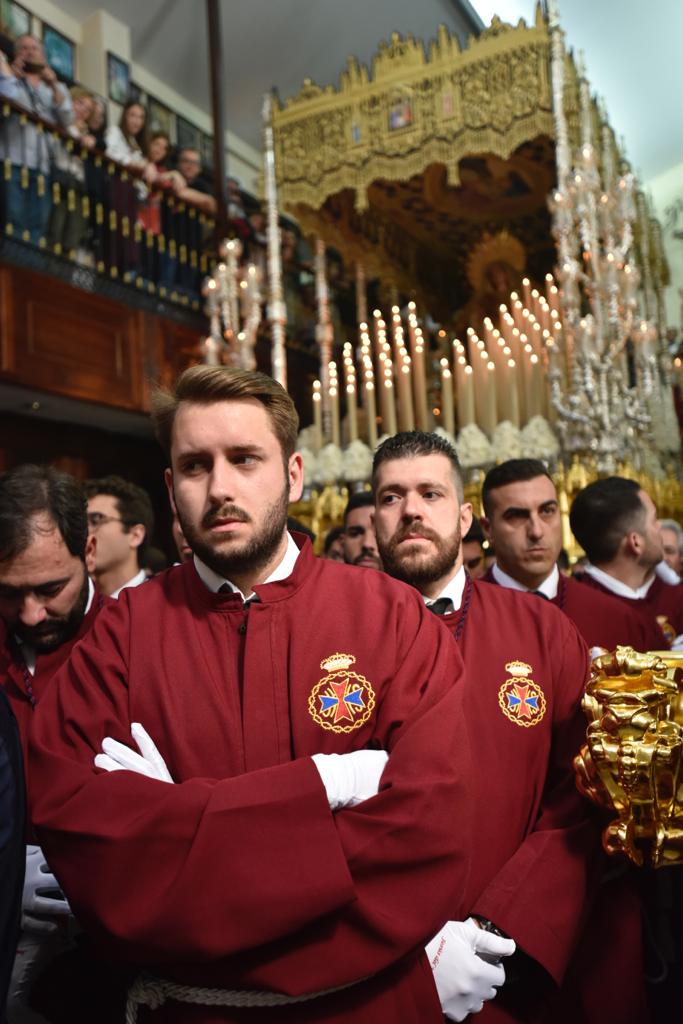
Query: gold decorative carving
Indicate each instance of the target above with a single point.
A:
(631, 764)
(415, 108)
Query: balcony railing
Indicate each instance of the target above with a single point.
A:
(99, 214)
(100, 225)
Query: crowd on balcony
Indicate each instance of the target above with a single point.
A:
(123, 201)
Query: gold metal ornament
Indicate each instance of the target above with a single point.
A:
(631, 764)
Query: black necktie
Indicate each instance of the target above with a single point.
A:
(539, 593)
(443, 606)
(225, 588)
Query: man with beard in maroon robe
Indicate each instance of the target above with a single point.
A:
(522, 521)
(537, 856)
(615, 522)
(264, 688)
(47, 604)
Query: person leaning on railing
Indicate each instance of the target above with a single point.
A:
(126, 144)
(30, 82)
(68, 224)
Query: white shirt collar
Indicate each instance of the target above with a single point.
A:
(667, 574)
(140, 577)
(616, 586)
(281, 571)
(28, 653)
(548, 588)
(453, 590)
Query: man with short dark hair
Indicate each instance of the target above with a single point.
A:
(333, 545)
(264, 688)
(615, 522)
(194, 188)
(525, 670)
(47, 600)
(473, 550)
(120, 515)
(522, 521)
(360, 543)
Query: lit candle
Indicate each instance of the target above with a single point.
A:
(512, 394)
(465, 397)
(420, 385)
(389, 426)
(350, 381)
(447, 409)
(317, 416)
(371, 413)
(406, 413)
(212, 300)
(491, 408)
(334, 403)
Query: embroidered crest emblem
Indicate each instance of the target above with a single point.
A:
(520, 698)
(342, 701)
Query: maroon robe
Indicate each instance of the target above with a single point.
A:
(16, 679)
(601, 619)
(666, 599)
(600, 946)
(537, 840)
(240, 876)
(658, 610)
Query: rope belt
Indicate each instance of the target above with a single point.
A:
(153, 992)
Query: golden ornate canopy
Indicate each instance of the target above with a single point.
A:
(408, 168)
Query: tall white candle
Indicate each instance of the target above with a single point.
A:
(465, 397)
(317, 416)
(447, 409)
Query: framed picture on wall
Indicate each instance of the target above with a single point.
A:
(160, 118)
(15, 20)
(188, 136)
(60, 53)
(137, 93)
(118, 78)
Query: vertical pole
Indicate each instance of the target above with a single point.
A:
(277, 312)
(216, 89)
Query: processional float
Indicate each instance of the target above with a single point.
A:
(487, 181)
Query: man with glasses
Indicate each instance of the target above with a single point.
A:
(182, 226)
(120, 515)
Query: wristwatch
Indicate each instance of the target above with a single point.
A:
(489, 926)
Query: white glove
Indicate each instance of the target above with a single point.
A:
(42, 894)
(463, 978)
(117, 757)
(350, 778)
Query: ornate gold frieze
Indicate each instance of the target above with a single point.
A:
(415, 108)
